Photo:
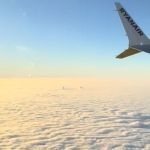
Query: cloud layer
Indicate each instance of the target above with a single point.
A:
(70, 118)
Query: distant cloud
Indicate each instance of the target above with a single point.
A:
(23, 48)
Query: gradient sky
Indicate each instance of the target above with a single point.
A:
(67, 38)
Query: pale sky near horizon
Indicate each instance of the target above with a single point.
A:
(69, 38)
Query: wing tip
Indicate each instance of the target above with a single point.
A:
(117, 3)
(117, 57)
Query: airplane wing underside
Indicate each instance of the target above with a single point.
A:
(128, 52)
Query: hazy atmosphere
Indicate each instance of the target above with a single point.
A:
(61, 87)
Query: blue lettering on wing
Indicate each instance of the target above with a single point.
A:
(131, 21)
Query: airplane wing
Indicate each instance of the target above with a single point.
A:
(134, 32)
(130, 51)
(136, 36)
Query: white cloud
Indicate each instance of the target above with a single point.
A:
(23, 48)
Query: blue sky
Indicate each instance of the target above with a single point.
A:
(68, 38)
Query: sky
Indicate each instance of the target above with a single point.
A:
(69, 38)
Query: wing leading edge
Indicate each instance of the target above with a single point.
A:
(130, 51)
